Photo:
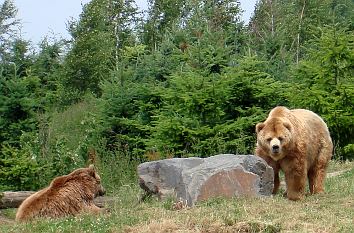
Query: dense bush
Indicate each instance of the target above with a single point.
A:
(326, 83)
(190, 80)
(18, 170)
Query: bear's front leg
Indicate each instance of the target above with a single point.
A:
(274, 164)
(92, 208)
(295, 178)
(295, 184)
(276, 181)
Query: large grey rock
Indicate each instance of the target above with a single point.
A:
(196, 179)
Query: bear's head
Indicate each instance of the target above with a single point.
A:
(96, 179)
(275, 137)
(86, 180)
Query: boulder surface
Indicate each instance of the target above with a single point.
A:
(196, 179)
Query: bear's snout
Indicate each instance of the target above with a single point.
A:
(101, 191)
(275, 149)
(275, 145)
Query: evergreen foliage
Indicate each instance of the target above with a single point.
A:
(188, 79)
(327, 84)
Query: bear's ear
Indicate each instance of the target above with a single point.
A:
(288, 126)
(92, 170)
(259, 127)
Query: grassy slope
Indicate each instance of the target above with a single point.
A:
(330, 212)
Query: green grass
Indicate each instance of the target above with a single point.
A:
(329, 212)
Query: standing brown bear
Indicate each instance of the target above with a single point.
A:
(67, 195)
(298, 143)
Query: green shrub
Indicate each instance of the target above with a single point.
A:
(326, 83)
(18, 170)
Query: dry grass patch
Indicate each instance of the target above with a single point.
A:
(329, 212)
(169, 225)
(321, 213)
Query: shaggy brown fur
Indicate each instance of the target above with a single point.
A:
(298, 143)
(67, 195)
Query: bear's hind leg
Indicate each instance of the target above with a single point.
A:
(317, 173)
(316, 177)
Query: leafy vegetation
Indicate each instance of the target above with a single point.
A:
(187, 79)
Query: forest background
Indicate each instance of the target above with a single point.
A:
(187, 79)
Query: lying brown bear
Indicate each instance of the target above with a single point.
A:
(67, 195)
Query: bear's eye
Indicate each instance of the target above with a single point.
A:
(269, 139)
(280, 139)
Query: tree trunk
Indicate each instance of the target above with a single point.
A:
(298, 34)
(14, 199)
